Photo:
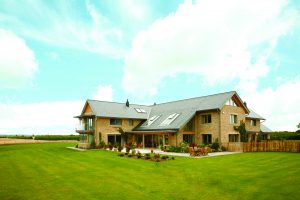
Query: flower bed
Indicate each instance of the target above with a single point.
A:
(147, 156)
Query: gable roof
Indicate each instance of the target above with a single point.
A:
(186, 109)
(254, 115)
(116, 110)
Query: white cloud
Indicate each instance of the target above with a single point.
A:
(104, 93)
(218, 40)
(39, 118)
(280, 106)
(65, 24)
(17, 61)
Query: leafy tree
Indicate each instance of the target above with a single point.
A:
(243, 131)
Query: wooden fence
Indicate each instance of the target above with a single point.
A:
(264, 146)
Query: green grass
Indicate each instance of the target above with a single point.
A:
(50, 171)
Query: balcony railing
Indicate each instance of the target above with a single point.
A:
(84, 128)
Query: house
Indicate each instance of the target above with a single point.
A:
(200, 120)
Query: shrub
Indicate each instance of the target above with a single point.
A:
(133, 152)
(120, 148)
(152, 151)
(139, 155)
(147, 156)
(173, 158)
(192, 144)
(223, 148)
(110, 146)
(164, 157)
(129, 155)
(215, 146)
(121, 154)
(156, 156)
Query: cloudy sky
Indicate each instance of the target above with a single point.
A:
(56, 54)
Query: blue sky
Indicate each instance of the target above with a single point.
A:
(56, 54)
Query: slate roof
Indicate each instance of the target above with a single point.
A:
(254, 115)
(186, 109)
(117, 110)
(265, 129)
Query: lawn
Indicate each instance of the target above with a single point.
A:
(51, 171)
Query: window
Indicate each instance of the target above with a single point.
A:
(83, 138)
(152, 119)
(233, 119)
(115, 122)
(253, 122)
(114, 139)
(206, 138)
(206, 119)
(169, 119)
(230, 102)
(130, 122)
(188, 138)
(89, 124)
(233, 137)
(140, 110)
(190, 126)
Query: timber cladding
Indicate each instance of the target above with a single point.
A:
(264, 146)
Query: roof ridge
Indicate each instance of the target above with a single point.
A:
(196, 97)
(118, 102)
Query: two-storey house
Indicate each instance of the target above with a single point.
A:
(201, 120)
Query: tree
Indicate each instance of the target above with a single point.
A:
(298, 126)
(124, 135)
(243, 131)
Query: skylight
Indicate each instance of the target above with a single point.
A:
(140, 110)
(152, 119)
(169, 119)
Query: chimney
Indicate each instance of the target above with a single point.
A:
(127, 103)
(245, 104)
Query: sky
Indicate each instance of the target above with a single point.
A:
(56, 54)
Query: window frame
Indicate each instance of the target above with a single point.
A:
(115, 124)
(208, 138)
(130, 122)
(253, 122)
(206, 119)
(235, 137)
(233, 118)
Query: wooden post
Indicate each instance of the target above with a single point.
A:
(143, 141)
(164, 143)
(152, 141)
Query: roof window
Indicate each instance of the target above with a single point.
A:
(152, 119)
(169, 119)
(140, 110)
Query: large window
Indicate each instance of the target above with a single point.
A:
(89, 124)
(115, 122)
(113, 139)
(190, 126)
(188, 138)
(233, 119)
(83, 138)
(206, 138)
(230, 102)
(206, 119)
(233, 137)
(253, 122)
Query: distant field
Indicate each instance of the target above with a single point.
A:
(6, 141)
(42, 137)
(51, 171)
